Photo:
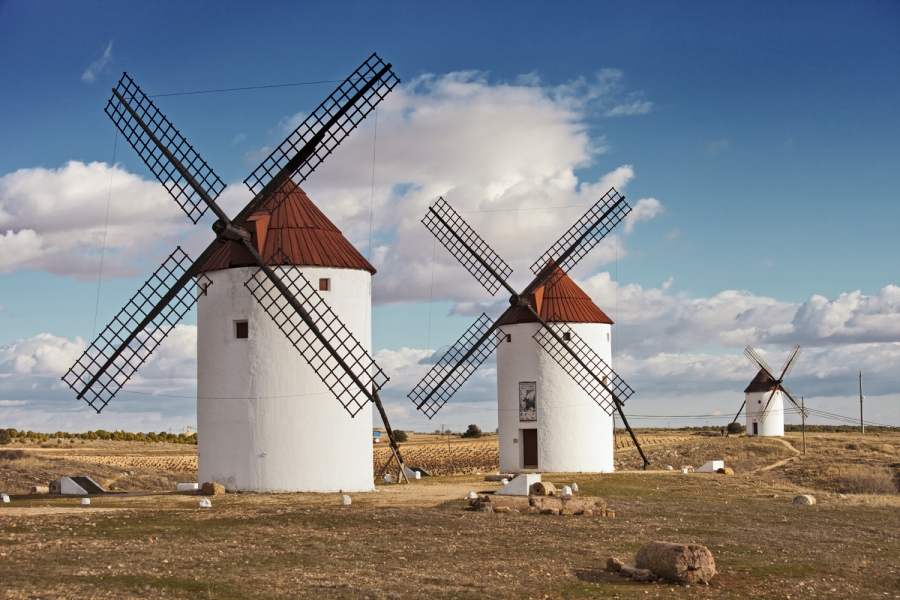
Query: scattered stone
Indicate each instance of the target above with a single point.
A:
(511, 502)
(543, 488)
(4, 498)
(567, 512)
(211, 488)
(471, 495)
(613, 564)
(85, 501)
(40, 489)
(610, 513)
(498, 476)
(504, 481)
(585, 513)
(529, 510)
(575, 487)
(804, 500)
(486, 509)
(684, 563)
(669, 468)
(387, 478)
(645, 575)
(550, 511)
(687, 469)
(502, 509)
(469, 507)
(204, 503)
(566, 491)
(725, 471)
(345, 500)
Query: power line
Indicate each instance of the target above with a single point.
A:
(250, 87)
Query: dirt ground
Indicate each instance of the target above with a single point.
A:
(414, 541)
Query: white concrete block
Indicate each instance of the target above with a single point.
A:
(566, 491)
(520, 486)
(711, 466)
(387, 478)
(85, 501)
(187, 487)
(471, 495)
(205, 503)
(4, 498)
(345, 500)
(67, 487)
(574, 487)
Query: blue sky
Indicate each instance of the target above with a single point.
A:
(765, 134)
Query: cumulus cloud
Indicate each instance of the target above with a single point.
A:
(55, 220)
(90, 74)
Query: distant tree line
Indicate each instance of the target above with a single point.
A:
(8, 436)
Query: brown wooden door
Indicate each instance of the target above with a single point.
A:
(530, 448)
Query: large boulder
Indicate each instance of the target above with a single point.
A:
(684, 563)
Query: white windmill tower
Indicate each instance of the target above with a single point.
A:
(555, 397)
(765, 396)
(279, 278)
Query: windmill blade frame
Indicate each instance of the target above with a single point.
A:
(455, 234)
(322, 131)
(797, 405)
(790, 361)
(761, 364)
(581, 363)
(587, 232)
(173, 161)
(135, 332)
(327, 345)
(761, 415)
(466, 355)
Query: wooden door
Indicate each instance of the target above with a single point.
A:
(530, 448)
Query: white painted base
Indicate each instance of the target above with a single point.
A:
(712, 466)
(574, 433)
(773, 426)
(266, 421)
(520, 486)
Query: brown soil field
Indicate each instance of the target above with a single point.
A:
(414, 541)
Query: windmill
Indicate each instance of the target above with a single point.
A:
(574, 359)
(329, 350)
(764, 397)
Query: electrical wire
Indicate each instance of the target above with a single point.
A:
(112, 171)
(241, 89)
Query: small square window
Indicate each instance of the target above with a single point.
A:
(241, 330)
(508, 337)
(324, 284)
(607, 337)
(567, 336)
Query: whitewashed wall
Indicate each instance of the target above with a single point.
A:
(774, 423)
(266, 421)
(574, 433)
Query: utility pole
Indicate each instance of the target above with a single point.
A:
(803, 416)
(862, 423)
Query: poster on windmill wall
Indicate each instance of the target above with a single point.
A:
(527, 401)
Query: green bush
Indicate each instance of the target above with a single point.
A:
(400, 435)
(736, 428)
(472, 432)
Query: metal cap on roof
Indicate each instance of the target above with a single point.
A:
(560, 300)
(299, 229)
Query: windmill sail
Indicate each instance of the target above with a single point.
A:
(163, 149)
(133, 334)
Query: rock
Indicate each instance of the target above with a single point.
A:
(585, 513)
(486, 509)
(725, 471)
(804, 500)
(566, 491)
(471, 495)
(550, 511)
(511, 502)
(85, 501)
(205, 503)
(472, 508)
(567, 512)
(610, 513)
(502, 509)
(684, 563)
(4, 498)
(345, 500)
(387, 478)
(613, 564)
(637, 574)
(211, 488)
(529, 510)
(668, 467)
(575, 487)
(543, 488)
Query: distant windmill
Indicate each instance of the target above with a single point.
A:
(267, 421)
(764, 397)
(545, 397)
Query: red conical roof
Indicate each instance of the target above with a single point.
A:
(561, 300)
(761, 383)
(299, 229)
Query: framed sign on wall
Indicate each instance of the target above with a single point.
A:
(527, 401)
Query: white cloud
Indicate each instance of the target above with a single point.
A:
(54, 220)
(717, 146)
(645, 210)
(635, 107)
(90, 74)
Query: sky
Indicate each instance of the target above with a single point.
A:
(756, 141)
